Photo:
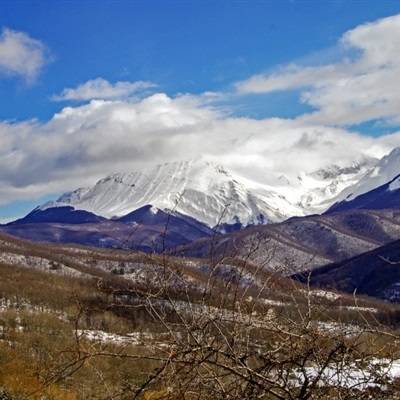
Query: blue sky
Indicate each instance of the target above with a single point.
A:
(184, 46)
(92, 87)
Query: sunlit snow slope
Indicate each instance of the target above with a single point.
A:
(385, 171)
(201, 189)
(209, 193)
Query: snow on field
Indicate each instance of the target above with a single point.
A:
(39, 263)
(134, 338)
(358, 375)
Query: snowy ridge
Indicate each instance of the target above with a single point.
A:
(313, 193)
(340, 179)
(198, 188)
(385, 171)
(206, 191)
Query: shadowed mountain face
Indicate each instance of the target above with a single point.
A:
(377, 189)
(306, 243)
(294, 245)
(352, 246)
(375, 273)
(382, 197)
(66, 215)
(147, 229)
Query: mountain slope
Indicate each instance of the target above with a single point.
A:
(199, 189)
(207, 192)
(305, 243)
(66, 214)
(147, 229)
(378, 189)
(385, 196)
(374, 273)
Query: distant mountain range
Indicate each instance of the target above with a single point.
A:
(377, 189)
(375, 273)
(205, 198)
(303, 244)
(199, 209)
(199, 189)
(209, 193)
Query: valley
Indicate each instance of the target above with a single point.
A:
(199, 200)
(187, 279)
(199, 209)
(85, 323)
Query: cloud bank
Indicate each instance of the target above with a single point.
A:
(22, 56)
(82, 144)
(124, 128)
(361, 87)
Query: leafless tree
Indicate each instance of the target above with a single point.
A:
(241, 332)
(229, 329)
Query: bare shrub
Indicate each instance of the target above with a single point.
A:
(222, 328)
(241, 332)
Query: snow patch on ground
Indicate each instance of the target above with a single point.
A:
(134, 338)
(42, 264)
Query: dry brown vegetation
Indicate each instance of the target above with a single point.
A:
(182, 329)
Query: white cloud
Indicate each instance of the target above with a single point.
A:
(82, 144)
(101, 89)
(121, 132)
(358, 89)
(20, 55)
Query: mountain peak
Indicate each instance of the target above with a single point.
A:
(205, 190)
(202, 189)
(387, 169)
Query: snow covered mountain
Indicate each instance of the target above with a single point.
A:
(197, 188)
(209, 193)
(315, 192)
(377, 189)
